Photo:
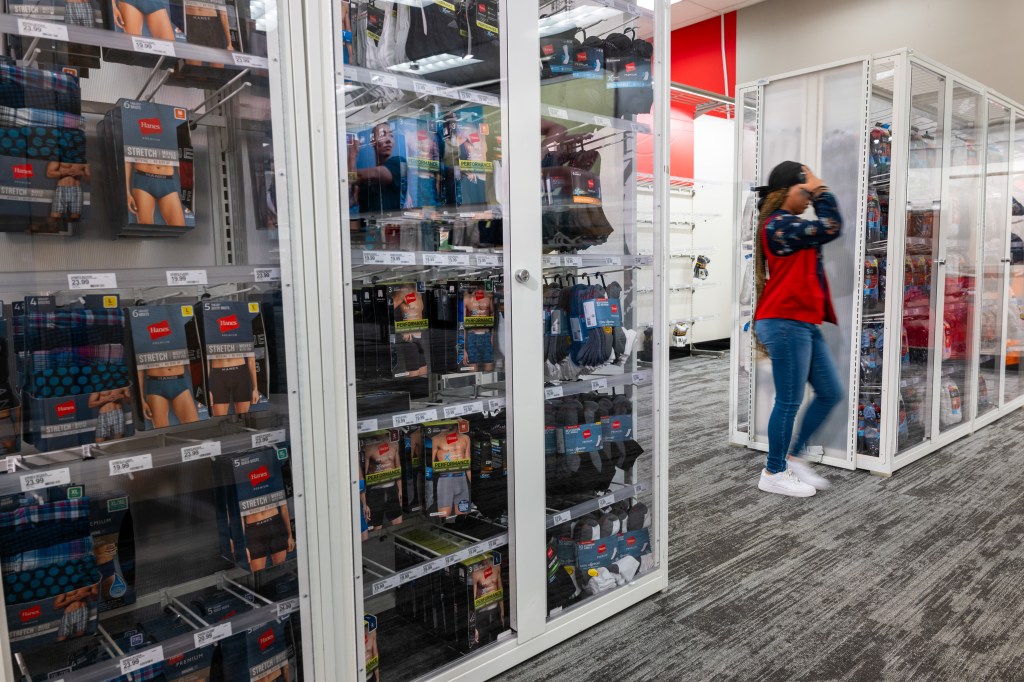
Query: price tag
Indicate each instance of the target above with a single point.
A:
(613, 260)
(384, 80)
(473, 408)
(425, 88)
(385, 585)
(42, 29)
(250, 61)
(143, 659)
(268, 438)
(558, 113)
(287, 606)
(602, 121)
(152, 46)
(606, 501)
(129, 465)
(488, 260)
(267, 274)
(553, 392)
(491, 100)
(177, 277)
(497, 542)
(411, 574)
(552, 261)
(598, 384)
(639, 377)
(467, 95)
(573, 261)
(366, 425)
(190, 453)
(424, 416)
(445, 259)
(374, 258)
(495, 404)
(559, 519)
(390, 258)
(95, 280)
(45, 479)
(211, 635)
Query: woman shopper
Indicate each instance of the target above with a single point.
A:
(793, 299)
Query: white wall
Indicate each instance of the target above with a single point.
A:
(982, 39)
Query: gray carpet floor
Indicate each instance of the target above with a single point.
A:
(916, 577)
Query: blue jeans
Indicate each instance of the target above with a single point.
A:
(799, 355)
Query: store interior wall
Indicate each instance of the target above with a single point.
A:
(980, 39)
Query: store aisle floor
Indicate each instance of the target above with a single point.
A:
(918, 577)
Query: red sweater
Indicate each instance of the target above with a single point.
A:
(797, 288)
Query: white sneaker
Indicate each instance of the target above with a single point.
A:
(806, 474)
(785, 483)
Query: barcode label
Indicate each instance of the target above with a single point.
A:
(488, 260)
(572, 261)
(425, 88)
(190, 453)
(129, 465)
(186, 277)
(553, 392)
(45, 479)
(602, 121)
(96, 280)
(598, 384)
(143, 659)
(152, 46)
(552, 261)
(558, 113)
(606, 501)
(495, 404)
(385, 585)
(287, 606)
(559, 519)
(445, 259)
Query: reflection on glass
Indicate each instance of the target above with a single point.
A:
(924, 182)
(745, 264)
(1014, 386)
(997, 206)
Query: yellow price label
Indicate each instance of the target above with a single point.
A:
(186, 311)
(110, 301)
(254, 307)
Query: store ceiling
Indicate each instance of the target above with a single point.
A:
(686, 12)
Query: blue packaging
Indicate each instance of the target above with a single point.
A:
(580, 438)
(235, 349)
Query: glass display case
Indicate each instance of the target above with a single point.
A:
(150, 515)
(932, 350)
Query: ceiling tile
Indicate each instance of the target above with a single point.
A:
(686, 13)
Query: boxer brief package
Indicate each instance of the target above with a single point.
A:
(476, 166)
(209, 23)
(408, 329)
(370, 625)
(481, 606)
(249, 484)
(448, 451)
(443, 313)
(233, 331)
(113, 543)
(381, 463)
(490, 474)
(142, 140)
(475, 343)
(374, 197)
(163, 338)
(10, 402)
(257, 654)
(219, 606)
(428, 600)
(412, 450)
(191, 666)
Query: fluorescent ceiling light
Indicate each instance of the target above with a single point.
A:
(433, 64)
(581, 16)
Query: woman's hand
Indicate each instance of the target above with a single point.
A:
(814, 183)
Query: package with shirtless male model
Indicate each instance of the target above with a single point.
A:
(382, 488)
(481, 606)
(235, 352)
(169, 387)
(448, 451)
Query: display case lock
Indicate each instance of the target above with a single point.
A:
(522, 276)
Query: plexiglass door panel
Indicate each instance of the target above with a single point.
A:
(960, 232)
(1014, 382)
(994, 269)
(924, 190)
(746, 208)
(597, 94)
(420, 96)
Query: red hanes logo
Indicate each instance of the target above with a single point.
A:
(474, 137)
(23, 171)
(586, 433)
(616, 424)
(227, 324)
(266, 639)
(551, 552)
(630, 67)
(548, 49)
(175, 660)
(410, 298)
(383, 449)
(631, 540)
(31, 614)
(480, 295)
(482, 8)
(451, 438)
(488, 572)
(159, 330)
(150, 126)
(590, 183)
(601, 549)
(581, 56)
(257, 476)
(615, 308)
(66, 409)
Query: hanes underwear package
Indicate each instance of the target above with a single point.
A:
(161, 19)
(209, 23)
(481, 605)
(448, 450)
(258, 654)
(169, 384)
(10, 402)
(382, 485)
(408, 328)
(372, 647)
(476, 318)
(235, 351)
(113, 544)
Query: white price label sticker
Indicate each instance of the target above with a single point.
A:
(445, 259)
(572, 261)
(454, 411)
(45, 479)
(598, 384)
(384, 80)
(287, 606)
(606, 501)
(42, 29)
(552, 261)
(366, 425)
(129, 465)
(267, 274)
(190, 453)
(143, 659)
(495, 404)
(497, 542)
(152, 46)
(467, 95)
(211, 635)
(249, 61)
(385, 585)
(399, 258)
(473, 408)
(636, 127)
(424, 416)
(639, 377)
(425, 88)
(268, 438)
(553, 392)
(558, 112)
(374, 258)
(602, 121)
(93, 280)
(613, 260)
(185, 277)
(559, 519)
(488, 260)
(403, 419)
(411, 574)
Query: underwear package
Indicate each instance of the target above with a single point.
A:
(382, 480)
(470, 155)
(10, 401)
(208, 30)
(113, 543)
(447, 457)
(218, 606)
(414, 164)
(247, 484)
(232, 331)
(411, 451)
(76, 386)
(257, 654)
(475, 342)
(162, 337)
(490, 467)
(457, 28)
(171, 8)
(442, 309)
(133, 133)
(408, 328)
(194, 665)
(480, 600)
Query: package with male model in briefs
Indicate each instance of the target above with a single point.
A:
(447, 461)
(168, 361)
(235, 350)
(480, 604)
(259, 654)
(382, 487)
(10, 402)
(253, 508)
(159, 19)
(148, 147)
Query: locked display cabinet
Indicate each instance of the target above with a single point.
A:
(500, 430)
(927, 165)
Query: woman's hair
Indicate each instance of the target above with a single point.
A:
(769, 204)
